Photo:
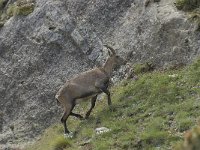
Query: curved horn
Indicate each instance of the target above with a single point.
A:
(111, 49)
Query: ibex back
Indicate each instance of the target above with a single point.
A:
(87, 84)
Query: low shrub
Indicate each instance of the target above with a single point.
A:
(60, 143)
(187, 5)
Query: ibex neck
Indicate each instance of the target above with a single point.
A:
(108, 66)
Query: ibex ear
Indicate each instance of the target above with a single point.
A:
(111, 51)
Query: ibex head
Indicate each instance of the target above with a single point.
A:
(117, 61)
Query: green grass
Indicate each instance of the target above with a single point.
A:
(60, 143)
(150, 113)
(52, 140)
(24, 10)
(143, 68)
(12, 10)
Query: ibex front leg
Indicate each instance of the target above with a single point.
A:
(108, 95)
(103, 86)
(93, 101)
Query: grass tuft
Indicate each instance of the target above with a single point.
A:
(20, 7)
(143, 68)
(187, 5)
(193, 7)
(24, 9)
(1, 3)
(60, 143)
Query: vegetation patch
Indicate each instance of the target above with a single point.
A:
(152, 112)
(60, 143)
(52, 139)
(187, 5)
(184, 121)
(2, 3)
(193, 8)
(20, 7)
(143, 68)
(154, 133)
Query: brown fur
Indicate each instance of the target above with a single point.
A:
(85, 85)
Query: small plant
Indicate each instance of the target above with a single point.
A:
(195, 17)
(25, 9)
(11, 11)
(184, 124)
(192, 6)
(60, 143)
(147, 2)
(143, 68)
(3, 4)
(191, 140)
(1, 24)
(20, 7)
(1, 114)
(154, 132)
(184, 121)
(12, 127)
(187, 5)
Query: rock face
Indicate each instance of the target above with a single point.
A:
(61, 38)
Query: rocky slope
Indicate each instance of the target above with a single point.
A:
(60, 38)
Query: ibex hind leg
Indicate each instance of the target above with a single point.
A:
(65, 116)
(76, 115)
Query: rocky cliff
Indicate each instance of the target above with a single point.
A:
(60, 38)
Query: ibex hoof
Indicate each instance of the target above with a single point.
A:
(68, 135)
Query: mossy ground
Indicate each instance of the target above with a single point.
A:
(20, 7)
(151, 113)
(193, 9)
(187, 5)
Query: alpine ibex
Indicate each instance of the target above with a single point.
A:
(87, 84)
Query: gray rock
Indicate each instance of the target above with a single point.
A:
(101, 130)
